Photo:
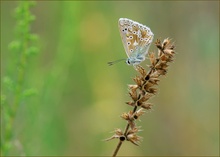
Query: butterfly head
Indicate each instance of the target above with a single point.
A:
(128, 61)
(131, 61)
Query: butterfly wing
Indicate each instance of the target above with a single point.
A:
(135, 37)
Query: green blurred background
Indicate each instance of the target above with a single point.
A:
(80, 98)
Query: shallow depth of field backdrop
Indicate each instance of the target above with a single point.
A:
(80, 98)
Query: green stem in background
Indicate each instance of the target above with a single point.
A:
(22, 48)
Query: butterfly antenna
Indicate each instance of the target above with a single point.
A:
(113, 62)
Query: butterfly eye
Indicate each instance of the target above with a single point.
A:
(128, 61)
(128, 43)
(131, 37)
(134, 32)
(126, 29)
(131, 50)
(141, 39)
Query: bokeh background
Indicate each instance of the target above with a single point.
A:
(80, 98)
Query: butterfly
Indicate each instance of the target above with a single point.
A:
(136, 39)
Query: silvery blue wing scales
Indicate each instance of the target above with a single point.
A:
(136, 39)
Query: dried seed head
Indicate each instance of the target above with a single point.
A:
(155, 74)
(133, 95)
(161, 65)
(133, 92)
(118, 134)
(172, 47)
(170, 59)
(128, 116)
(131, 103)
(169, 52)
(147, 106)
(133, 87)
(166, 42)
(132, 137)
(160, 53)
(158, 66)
(138, 113)
(163, 57)
(141, 70)
(162, 71)
(138, 80)
(154, 80)
(134, 130)
(145, 98)
(132, 124)
(158, 44)
(148, 85)
(152, 90)
(125, 116)
(152, 58)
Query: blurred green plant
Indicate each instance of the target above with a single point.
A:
(13, 92)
